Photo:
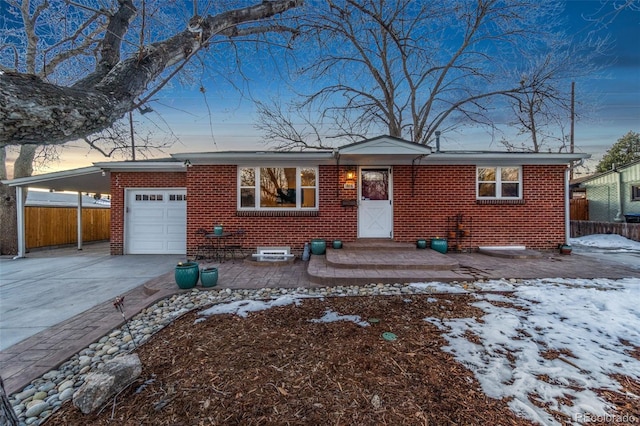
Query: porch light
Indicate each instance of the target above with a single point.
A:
(350, 174)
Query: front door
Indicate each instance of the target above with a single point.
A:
(375, 211)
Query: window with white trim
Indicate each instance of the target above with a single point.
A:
(499, 183)
(277, 188)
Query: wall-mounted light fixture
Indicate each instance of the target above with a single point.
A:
(350, 174)
(350, 178)
(186, 163)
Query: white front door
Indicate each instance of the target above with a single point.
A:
(375, 210)
(156, 221)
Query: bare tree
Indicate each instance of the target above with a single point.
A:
(409, 68)
(70, 71)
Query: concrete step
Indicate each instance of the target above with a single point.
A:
(377, 244)
(320, 272)
(407, 259)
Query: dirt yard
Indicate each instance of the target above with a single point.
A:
(276, 367)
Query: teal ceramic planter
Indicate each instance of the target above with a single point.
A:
(421, 244)
(318, 246)
(209, 277)
(439, 244)
(337, 244)
(187, 274)
(218, 229)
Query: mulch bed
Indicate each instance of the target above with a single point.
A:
(276, 367)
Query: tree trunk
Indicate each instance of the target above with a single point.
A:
(7, 415)
(22, 167)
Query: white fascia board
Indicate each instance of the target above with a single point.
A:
(269, 158)
(141, 166)
(501, 158)
(383, 146)
(63, 174)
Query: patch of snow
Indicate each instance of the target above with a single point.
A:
(332, 316)
(243, 307)
(438, 287)
(586, 321)
(606, 241)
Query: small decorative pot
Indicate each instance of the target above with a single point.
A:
(318, 246)
(218, 229)
(337, 244)
(565, 249)
(439, 244)
(421, 244)
(187, 274)
(209, 277)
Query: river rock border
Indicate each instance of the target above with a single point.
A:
(44, 395)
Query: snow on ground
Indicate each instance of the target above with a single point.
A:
(332, 316)
(592, 324)
(553, 340)
(606, 241)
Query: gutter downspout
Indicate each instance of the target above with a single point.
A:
(20, 222)
(619, 217)
(567, 206)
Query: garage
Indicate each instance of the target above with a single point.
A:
(156, 221)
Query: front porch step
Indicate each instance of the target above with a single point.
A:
(320, 272)
(378, 244)
(407, 259)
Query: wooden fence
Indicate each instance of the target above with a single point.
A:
(579, 209)
(580, 228)
(52, 226)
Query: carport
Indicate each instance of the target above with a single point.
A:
(87, 179)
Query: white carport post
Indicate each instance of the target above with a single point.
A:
(79, 221)
(20, 222)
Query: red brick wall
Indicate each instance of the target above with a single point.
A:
(421, 210)
(121, 181)
(216, 203)
(442, 192)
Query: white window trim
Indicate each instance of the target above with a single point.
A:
(498, 182)
(278, 209)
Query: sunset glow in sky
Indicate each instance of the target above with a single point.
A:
(223, 119)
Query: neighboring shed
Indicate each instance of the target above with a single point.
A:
(614, 196)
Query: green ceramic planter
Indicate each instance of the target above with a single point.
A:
(439, 244)
(209, 277)
(421, 244)
(337, 244)
(187, 274)
(318, 246)
(218, 229)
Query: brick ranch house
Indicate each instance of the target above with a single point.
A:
(379, 188)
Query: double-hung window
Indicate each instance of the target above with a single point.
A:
(277, 188)
(499, 183)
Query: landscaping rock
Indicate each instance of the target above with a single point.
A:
(99, 387)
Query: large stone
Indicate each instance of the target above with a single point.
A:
(102, 385)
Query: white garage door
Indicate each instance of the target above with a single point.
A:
(156, 221)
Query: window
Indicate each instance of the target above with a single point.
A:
(148, 197)
(499, 182)
(278, 188)
(635, 192)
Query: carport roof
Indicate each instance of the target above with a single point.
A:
(86, 179)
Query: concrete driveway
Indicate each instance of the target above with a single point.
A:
(50, 286)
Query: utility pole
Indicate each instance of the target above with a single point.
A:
(573, 114)
(133, 142)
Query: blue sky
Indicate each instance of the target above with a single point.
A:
(230, 125)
